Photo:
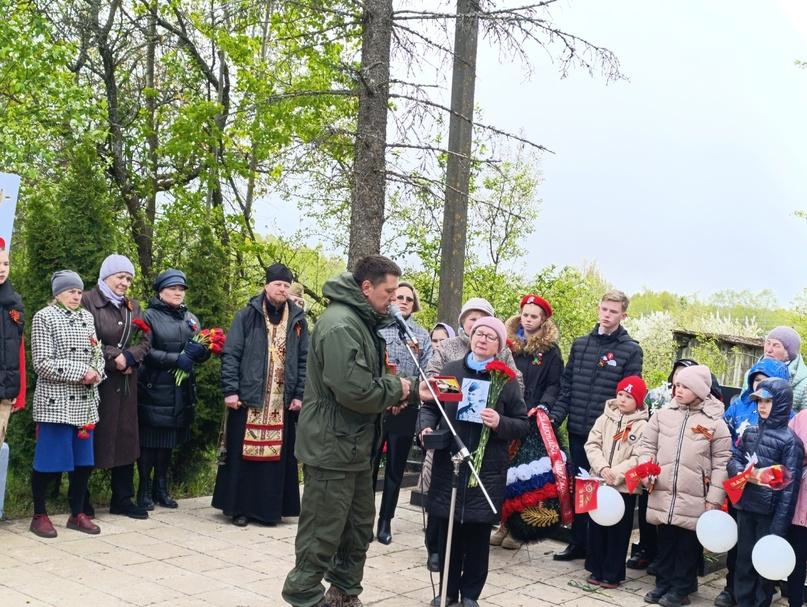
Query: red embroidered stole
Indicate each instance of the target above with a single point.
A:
(263, 438)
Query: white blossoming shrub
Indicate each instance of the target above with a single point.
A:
(655, 334)
(724, 324)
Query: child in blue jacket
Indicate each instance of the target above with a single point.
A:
(742, 414)
(763, 510)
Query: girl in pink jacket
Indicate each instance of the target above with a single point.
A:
(798, 528)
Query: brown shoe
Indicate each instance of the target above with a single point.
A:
(83, 523)
(336, 597)
(41, 526)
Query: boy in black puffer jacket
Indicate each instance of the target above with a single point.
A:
(762, 510)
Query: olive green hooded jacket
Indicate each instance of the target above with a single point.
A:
(347, 386)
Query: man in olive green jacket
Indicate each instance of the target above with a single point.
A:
(347, 388)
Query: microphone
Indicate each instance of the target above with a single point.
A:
(395, 312)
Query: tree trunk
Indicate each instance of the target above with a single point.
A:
(152, 137)
(119, 168)
(458, 167)
(369, 164)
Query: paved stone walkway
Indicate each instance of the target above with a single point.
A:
(193, 556)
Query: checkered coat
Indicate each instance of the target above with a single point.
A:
(62, 352)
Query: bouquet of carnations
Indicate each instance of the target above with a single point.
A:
(500, 374)
(213, 339)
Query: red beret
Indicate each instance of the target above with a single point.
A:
(538, 301)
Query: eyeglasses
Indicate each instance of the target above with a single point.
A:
(405, 298)
(486, 336)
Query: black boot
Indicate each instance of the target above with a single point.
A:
(384, 531)
(161, 493)
(144, 495)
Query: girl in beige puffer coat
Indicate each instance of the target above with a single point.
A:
(612, 449)
(691, 443)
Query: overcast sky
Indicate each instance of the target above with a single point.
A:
(686, 177)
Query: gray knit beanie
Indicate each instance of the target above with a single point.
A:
(790, 339)
(114, 264)
(65, 279)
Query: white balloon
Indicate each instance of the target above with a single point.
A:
(717, 531)
(773, 557)
(610, 507)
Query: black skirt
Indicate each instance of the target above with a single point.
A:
(263, 491)
(162, 438)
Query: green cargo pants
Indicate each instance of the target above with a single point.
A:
(333, 533)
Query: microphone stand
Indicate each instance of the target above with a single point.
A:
(461, 456)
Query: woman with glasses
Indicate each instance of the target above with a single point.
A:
(399, 421)
(473, 517)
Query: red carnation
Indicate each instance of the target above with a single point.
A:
(497, 366)
(141, 324)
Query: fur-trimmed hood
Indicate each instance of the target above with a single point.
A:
(546, 337)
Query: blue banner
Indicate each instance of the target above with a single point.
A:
(9, 189)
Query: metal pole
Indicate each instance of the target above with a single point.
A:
(455, 481)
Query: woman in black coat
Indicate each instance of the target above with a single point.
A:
(507, 421)
(165, 409)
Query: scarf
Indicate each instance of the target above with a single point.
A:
(477, 365)
(263, 438)
(113, 297)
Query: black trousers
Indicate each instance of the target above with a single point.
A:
(579, 460)
(398, 446)
(731, 557)
(470, 550)
(608, 546)
(750, 588)
(432, 538)
(122, 485)
(648, 534)
(795, 582)
(677, 559)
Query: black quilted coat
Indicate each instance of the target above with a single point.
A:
(774, 443)
(596, 365)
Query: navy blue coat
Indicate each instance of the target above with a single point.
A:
(162, 403)
(774, 443)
